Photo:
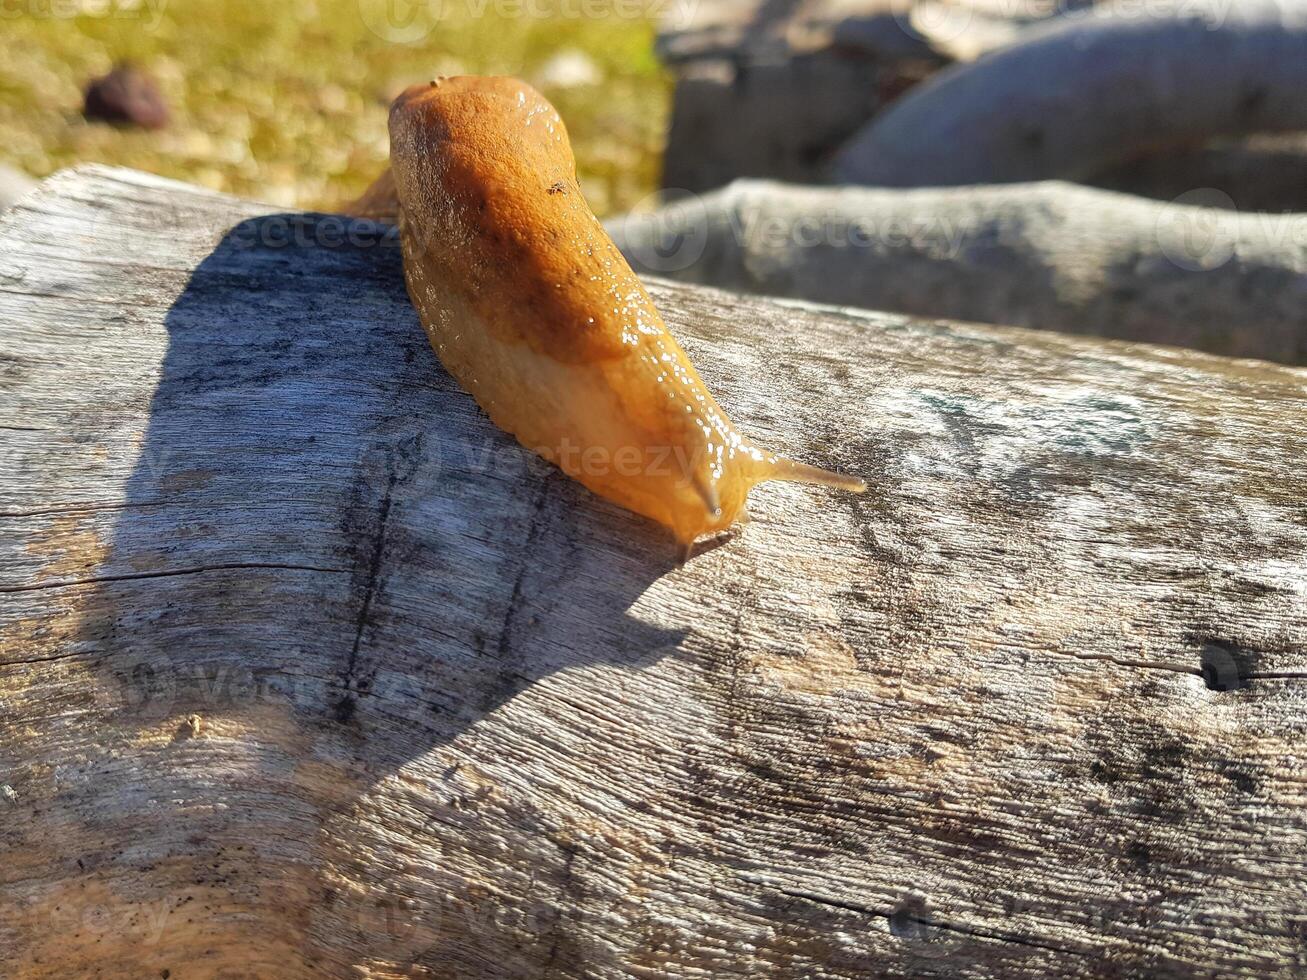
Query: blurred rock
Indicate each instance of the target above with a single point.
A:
(569, 69)
(882, 35)
(13, 185)
(967, 29)
(772, 90)
(126, 96)
(331, 99)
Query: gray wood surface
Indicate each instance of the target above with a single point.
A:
(305, 671)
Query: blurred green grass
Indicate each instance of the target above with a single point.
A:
(286, 102)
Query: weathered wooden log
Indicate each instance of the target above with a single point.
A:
(1048, 255)
(1072, 97)
(306, 672)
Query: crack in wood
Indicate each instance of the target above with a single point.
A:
(63, 510)
(1132, 662)
(504, 645)
(345, 707)
(856, 908)
(29, 661)
(171, 573)
(135, 304)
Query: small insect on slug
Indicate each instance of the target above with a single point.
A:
(533, 309)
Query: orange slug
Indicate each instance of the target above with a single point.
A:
(532, 308)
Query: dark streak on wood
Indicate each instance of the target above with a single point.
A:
(345, 707)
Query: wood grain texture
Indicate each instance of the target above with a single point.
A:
(306, 671)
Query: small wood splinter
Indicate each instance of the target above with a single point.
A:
(533, 309)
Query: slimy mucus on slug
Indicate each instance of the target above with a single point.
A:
(530, 305)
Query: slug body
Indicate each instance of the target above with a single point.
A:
(534, 310)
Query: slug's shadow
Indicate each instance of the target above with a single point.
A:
(332, 529)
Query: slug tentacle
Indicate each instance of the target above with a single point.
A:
(783, 468)
(530, 305)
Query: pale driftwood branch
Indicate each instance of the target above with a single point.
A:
(306, 673)
(1047, 255)
(1070, 98)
